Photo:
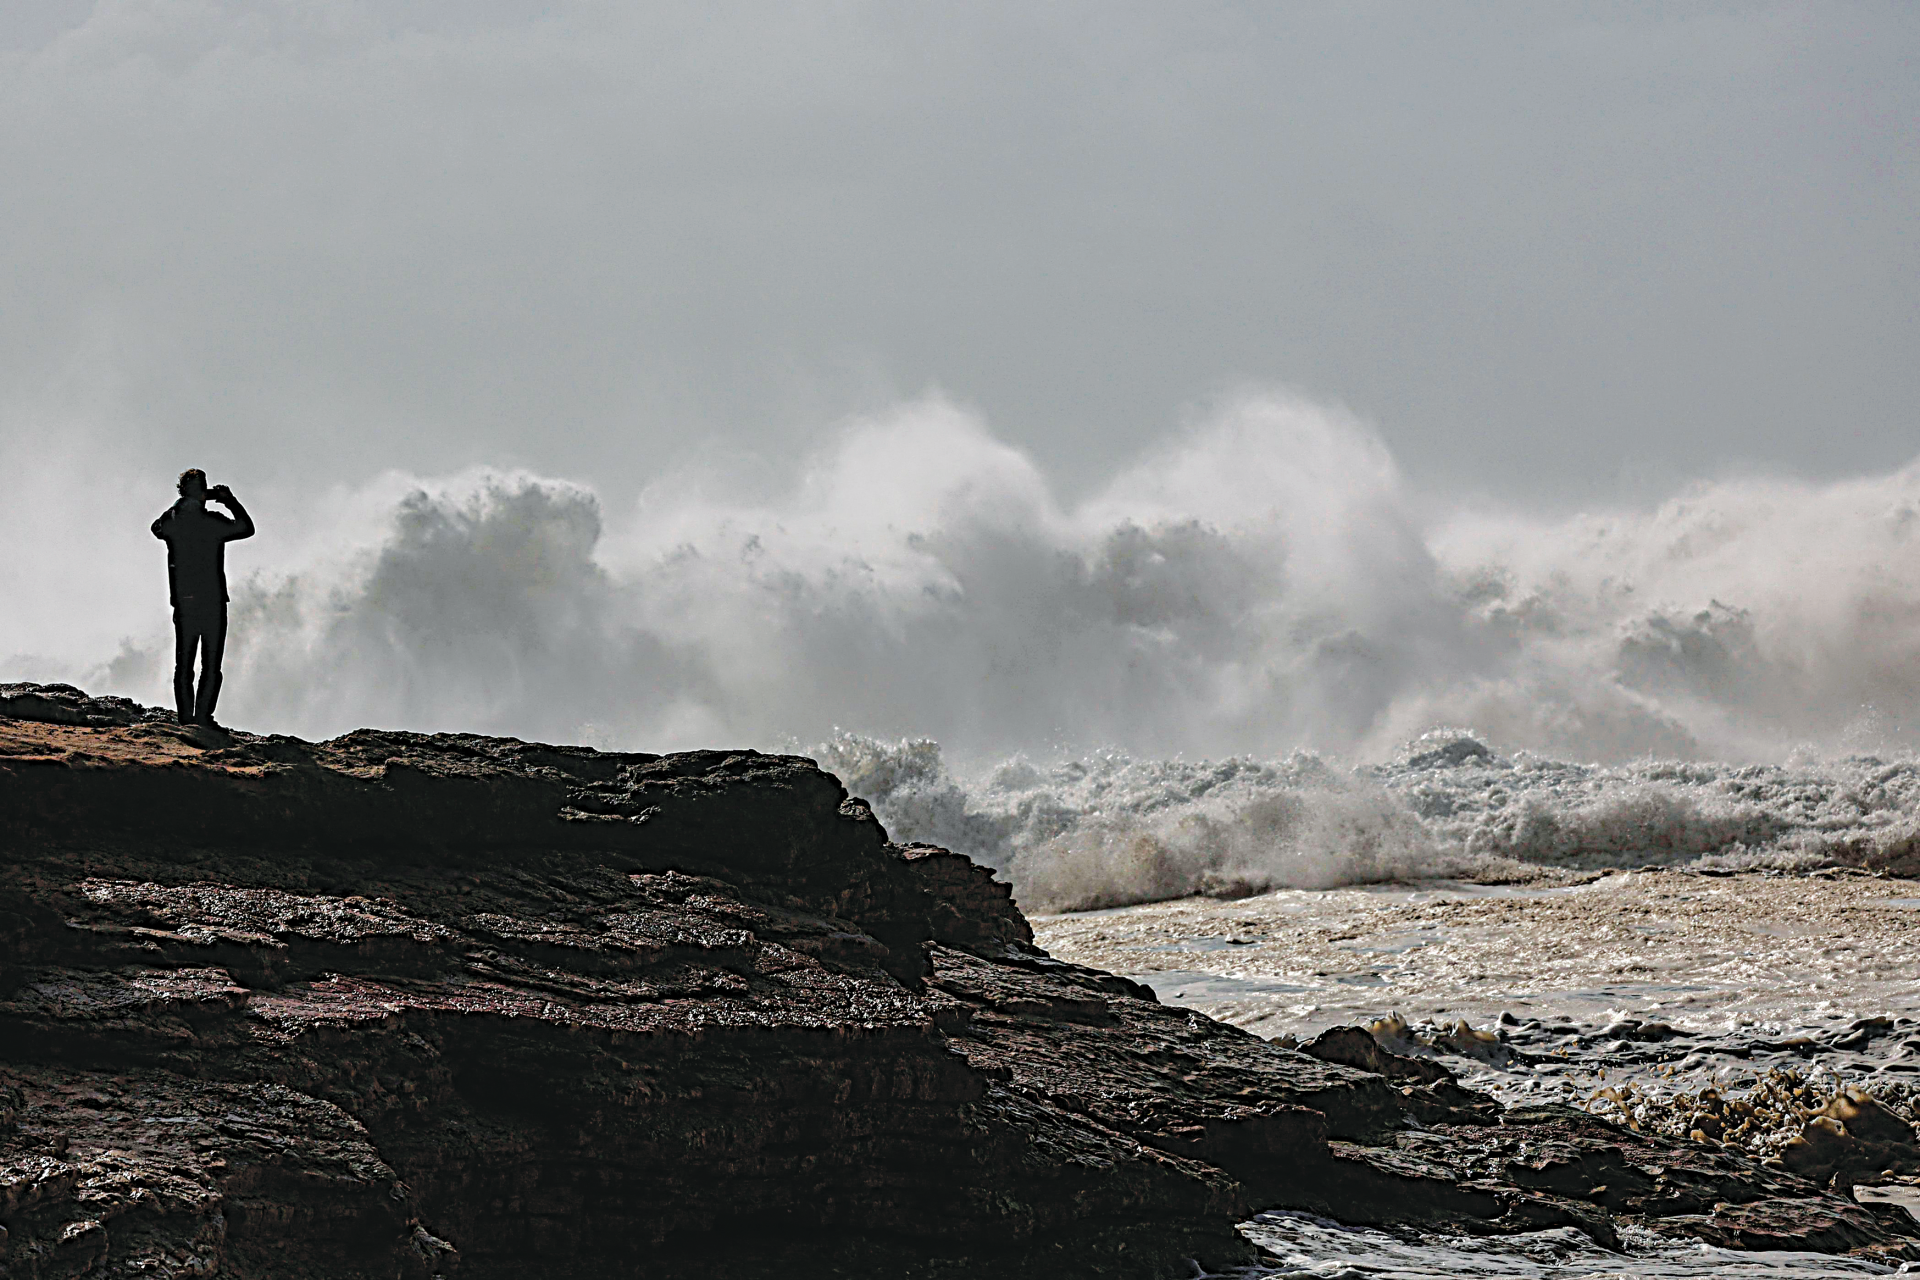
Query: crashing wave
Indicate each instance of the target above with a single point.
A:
(1107, 830)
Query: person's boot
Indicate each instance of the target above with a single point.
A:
(209, 694)
(183, 699)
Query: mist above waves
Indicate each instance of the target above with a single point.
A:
(1264, 581)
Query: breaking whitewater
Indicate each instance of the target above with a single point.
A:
(1107, 830)
(1609, 808)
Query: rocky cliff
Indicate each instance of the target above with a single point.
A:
(409, 1005)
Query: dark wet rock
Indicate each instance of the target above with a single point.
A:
(1556, 1165)
(159, 1174)
(1356, 1047)
(1862, 1032)
(64, 704)
(396, 1003)
(1632, 1029)
(1827, 1226)
(965, 905)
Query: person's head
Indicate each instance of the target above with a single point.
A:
(193, 484)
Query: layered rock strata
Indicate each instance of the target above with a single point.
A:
(406, 1005)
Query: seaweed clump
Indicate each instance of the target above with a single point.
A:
(1809, 1122)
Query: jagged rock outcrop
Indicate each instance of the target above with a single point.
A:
(410, 1005)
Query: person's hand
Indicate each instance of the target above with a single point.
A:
(221, 492)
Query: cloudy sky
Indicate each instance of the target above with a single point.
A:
(1552, 254)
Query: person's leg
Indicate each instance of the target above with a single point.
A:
(213, 646)
(185, 639)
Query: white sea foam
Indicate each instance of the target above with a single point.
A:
(1310, 1248)
(1107, 830)
(1263, 593)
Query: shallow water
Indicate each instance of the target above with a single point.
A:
(1669, 979)
(1306, 1246)
(1774, 953)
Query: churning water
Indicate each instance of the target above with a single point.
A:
(1107, 830)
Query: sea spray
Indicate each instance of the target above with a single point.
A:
(1263, 582)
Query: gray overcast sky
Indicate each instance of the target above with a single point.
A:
(1556, 253)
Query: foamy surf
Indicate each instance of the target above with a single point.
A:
(1671, 1001)
(1107, 829)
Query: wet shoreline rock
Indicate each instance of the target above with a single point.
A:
(427, 1005)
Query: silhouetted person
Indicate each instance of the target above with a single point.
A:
(197, 541)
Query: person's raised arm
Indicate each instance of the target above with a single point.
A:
(242, 522)
(160, 525)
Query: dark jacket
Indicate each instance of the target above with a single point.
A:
(197, 541)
